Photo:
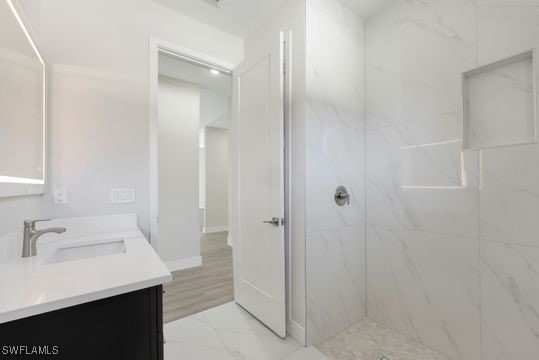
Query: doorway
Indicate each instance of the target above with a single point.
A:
(193, 117)
(256, 220)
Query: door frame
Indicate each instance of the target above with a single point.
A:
(156, 47)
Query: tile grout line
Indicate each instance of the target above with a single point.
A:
(479, 170)
(365, 232)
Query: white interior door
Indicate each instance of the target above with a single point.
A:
(259, 243)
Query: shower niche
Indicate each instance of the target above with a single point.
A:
(500, 103)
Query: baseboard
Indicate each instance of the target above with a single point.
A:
(229, 240)
(181, 264)
(296, 331)
(214, 229)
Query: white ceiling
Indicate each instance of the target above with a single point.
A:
(182, 70)
(236, 17)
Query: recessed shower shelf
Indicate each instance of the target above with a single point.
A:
(499, 103)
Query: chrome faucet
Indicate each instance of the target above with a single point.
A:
(31, 235)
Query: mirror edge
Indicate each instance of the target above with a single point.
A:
(12, 186)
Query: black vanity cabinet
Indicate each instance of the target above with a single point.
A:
(127, 326)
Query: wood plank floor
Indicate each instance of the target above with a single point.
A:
(201, 288)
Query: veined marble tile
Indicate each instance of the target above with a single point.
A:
(510, 301)
(425, 286)
(335, 281)
(509, 195)
(335, 84)
(417, 165)
(306, 353)
(245, 336)
(416, 202)
(194, 330)
(256, 347)
(368, 340)
(506, 28)
(335, 124)
(434, 54)
(335, 156)
(231, 317)
(431, 43)
(178, 351)
(383, 78)
(193, 337)
(224, 332)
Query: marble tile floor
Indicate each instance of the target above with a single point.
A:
(370, 341)
(227, 332)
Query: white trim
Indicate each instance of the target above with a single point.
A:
(296, 331)
(23, 26)
(155, 46)
(17, 180)
(214, 229)
(181, 264)
(229, 240)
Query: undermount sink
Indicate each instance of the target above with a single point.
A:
(78, 251)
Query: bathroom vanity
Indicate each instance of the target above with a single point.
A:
(126, 326)
(85, 296)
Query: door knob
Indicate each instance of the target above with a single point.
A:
(275, 221)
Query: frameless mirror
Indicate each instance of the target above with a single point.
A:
(22, 108)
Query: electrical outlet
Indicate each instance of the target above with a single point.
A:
(122, 196)
(60, 196)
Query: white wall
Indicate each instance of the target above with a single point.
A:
(13, 211)
(335, 145)
(97, 59)
(178, 139)
(290, 17)
(217, 169)
(215, 112)
(215, 108)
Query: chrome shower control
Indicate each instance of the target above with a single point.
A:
(342, 197)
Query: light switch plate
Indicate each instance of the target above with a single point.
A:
(59, 196)
(122, 196)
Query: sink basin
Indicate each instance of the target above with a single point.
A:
(91, 249)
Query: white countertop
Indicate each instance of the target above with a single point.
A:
(31, 286)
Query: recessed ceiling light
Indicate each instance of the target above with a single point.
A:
(215, 72)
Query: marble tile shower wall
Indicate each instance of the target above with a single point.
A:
(335, 156)
(452, 236)
(509, 203)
